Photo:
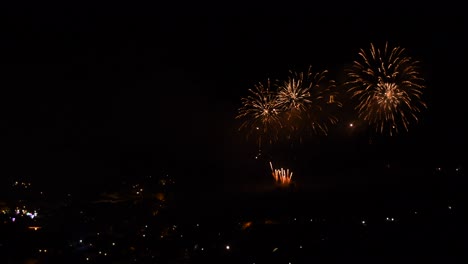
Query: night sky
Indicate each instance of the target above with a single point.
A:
(94, 95)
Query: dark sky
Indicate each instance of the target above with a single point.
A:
(95, 94)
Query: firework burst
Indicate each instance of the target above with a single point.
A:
(262, 113)
(388, 88)
(306, 99)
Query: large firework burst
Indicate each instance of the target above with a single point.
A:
(388, 88)
(262, 113)
(306, 99)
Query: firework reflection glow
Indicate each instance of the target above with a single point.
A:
(282, 176)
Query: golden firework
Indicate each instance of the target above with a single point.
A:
(388, 87)
(306, 99)
(261, 112)
(282, 176)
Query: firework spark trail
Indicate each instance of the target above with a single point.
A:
(388, 88)
(290, 109)
(262, 113)
(281, 176)
(305, 98)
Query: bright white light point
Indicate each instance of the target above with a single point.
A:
(257, 128)
(363, 222)
(202, 249)
(113, 243)
(351, 124)
(81, 241)
(228, 247)
(450, 207)
(87, 258)
(300, 246)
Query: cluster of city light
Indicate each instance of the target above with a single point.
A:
(26, 212)
(95, 247)
(137, 189)
(22, 184)
(19, 212)
(248, 225)
(145, 191)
